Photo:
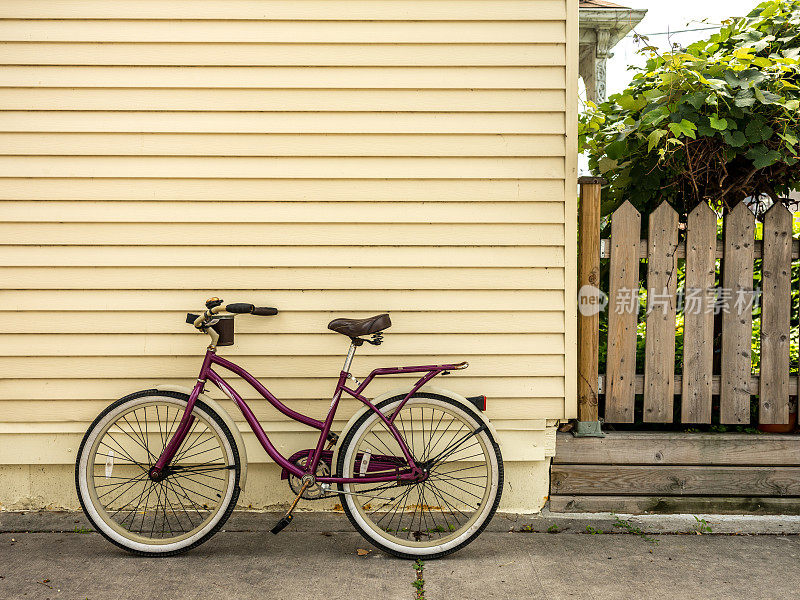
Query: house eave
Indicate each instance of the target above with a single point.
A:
(618, 21)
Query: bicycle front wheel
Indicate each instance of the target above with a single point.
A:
(175, 513)
(441, 514)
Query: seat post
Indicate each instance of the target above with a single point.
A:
(350, 354)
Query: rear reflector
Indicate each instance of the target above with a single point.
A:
(478, 402)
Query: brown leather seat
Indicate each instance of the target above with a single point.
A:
(358, 327)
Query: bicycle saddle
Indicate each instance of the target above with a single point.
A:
(357, 327)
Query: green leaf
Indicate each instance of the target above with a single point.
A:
(616, 150)
(684, 128)
(697, 99)
(758, 131)
(718, 124)
(655, 137)
(766, 97)
(745, 99)
(762, 157)
(655, 116)
(737, 139)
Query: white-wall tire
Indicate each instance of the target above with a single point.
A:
(386, 541)
(99, 518)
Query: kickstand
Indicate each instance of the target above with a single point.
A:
(287, 518)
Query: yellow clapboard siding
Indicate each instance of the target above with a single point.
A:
(302, 214)
(99, 367)
(282, 122)
(244, 32)
(222, 99)
(80, 410)
(346, 301)
(233, 54)
(527, 238)
(330, 190)
(287, 278)
(332, 158)
(281, 167)
(284, 77)
(33, 445)
(296, 10)
(149, 144)
(249, 344)
(162, 321)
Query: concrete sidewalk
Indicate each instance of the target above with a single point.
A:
(325, 563)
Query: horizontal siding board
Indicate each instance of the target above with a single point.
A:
(284, 77)
(283, 122)
(652, 448)
(700, 505)
(237, 100)
(283, 190)
(287, 278)
(109, 367)
(372, 300)
(288, 256)
(675, 480)
(59, 448)
(302, 55)
(303, 215)
(148, 144)
(250, 344)
(504, 393)
(240, 100)
(246, 32)
(297, 10)
(523, 237)
(164, 322)
(508, 397)
(80, 410)
(281, 167)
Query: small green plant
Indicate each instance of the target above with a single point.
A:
(701, 526)
(593, 531)
(527, 528)
(631, 528)
(553, 528)
(79, 529)
(419, 581)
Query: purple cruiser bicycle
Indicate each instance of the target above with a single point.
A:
(418, 473)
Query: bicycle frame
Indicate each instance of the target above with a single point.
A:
(207, 373)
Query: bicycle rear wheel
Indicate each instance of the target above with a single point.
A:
(171, 515)
(441, 514)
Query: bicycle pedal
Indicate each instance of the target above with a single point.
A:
(280, 525)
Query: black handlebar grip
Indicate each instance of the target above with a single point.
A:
(240, 308)
(191, 318)
(265, 311)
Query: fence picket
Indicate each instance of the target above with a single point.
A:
(623, 310)
(737, 318)
(775, 316)
(662, 275)
(698, 325)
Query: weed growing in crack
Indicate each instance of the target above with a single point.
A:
(701, 526)
(631, 528)
(419, 582)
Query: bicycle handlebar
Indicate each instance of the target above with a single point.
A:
(214, 306)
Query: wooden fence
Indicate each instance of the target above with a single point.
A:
(696, 244)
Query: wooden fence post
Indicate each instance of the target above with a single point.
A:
(589, 306)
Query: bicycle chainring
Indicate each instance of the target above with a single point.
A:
(315, 491)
